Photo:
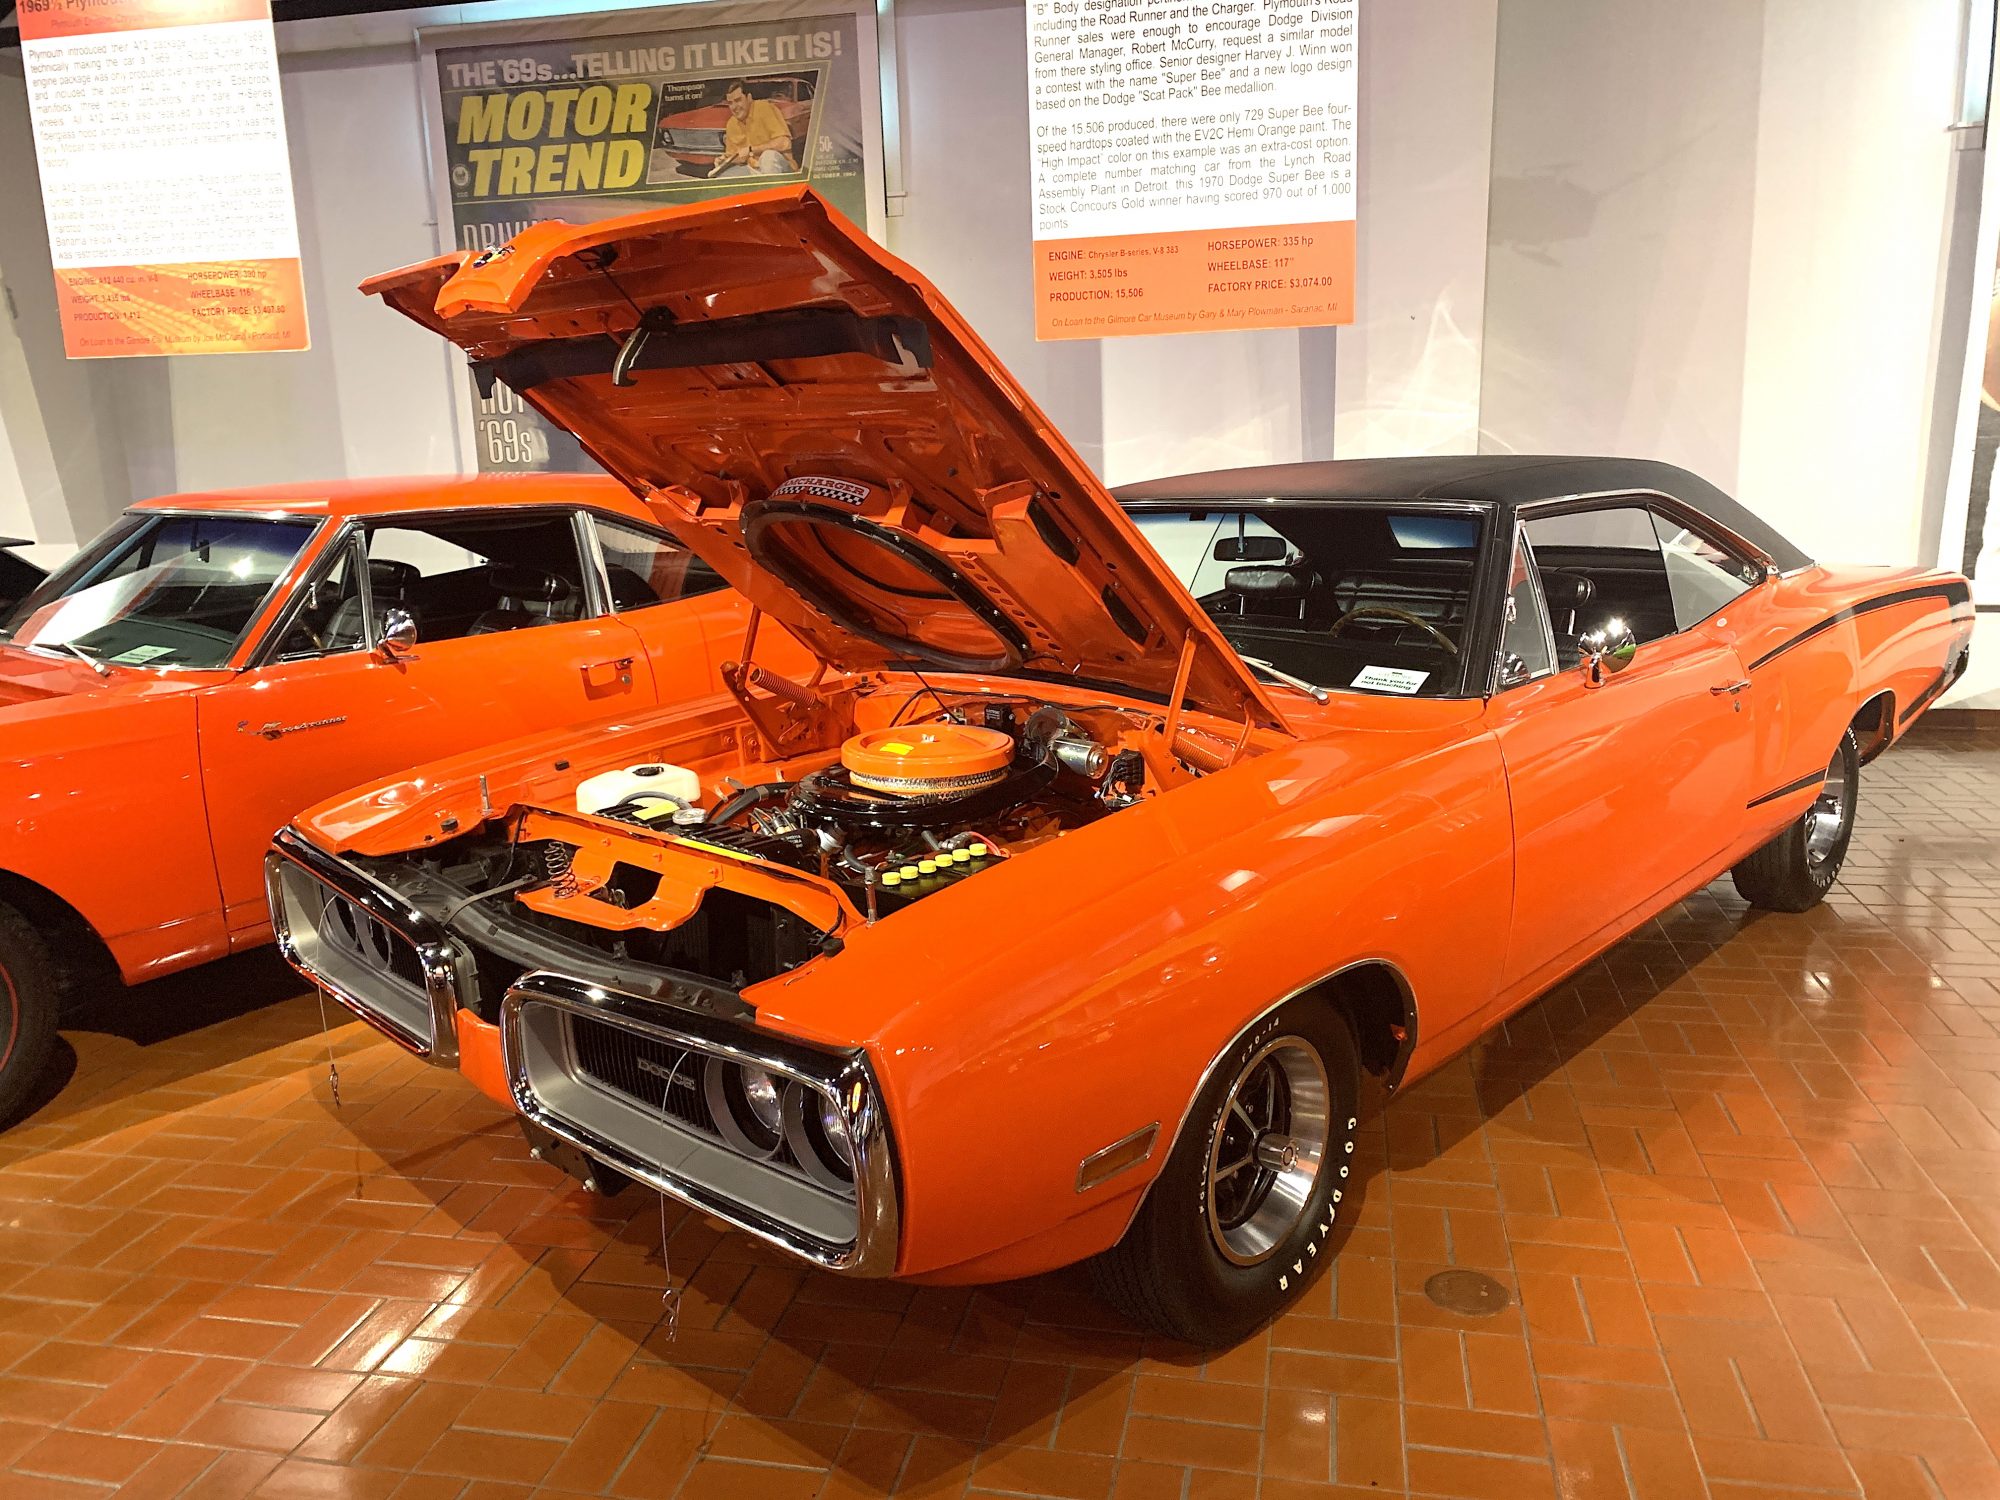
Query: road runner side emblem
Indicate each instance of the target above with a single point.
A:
(276, 731)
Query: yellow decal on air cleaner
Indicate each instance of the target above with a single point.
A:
(895, 747)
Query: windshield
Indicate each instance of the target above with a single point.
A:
(161, 591)
(1351, 596)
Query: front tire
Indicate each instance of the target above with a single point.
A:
(1797, 868)
(28, 1005)
(1239, 1217)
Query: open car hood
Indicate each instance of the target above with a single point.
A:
(817, 422)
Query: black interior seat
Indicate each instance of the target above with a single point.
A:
(524, 596)
(1271, 588)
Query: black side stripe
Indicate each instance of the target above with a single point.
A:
(1955, 594)
(1935, 691)
(1930, 695)
(1802, 784)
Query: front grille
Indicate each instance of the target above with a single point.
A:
(656, 1073)
(373, 968)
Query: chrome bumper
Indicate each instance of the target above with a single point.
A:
(368, 948)
(553, 1089)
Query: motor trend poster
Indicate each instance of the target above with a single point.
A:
(166, 185)
(564, 120)
(1193, 164)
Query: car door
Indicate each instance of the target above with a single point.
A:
(512, 635)
(1625, 785)
(667, 594)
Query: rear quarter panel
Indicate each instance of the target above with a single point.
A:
(1826, 643)
(1048, 1007)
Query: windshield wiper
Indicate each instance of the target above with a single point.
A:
(1313, 690)
(81, 655)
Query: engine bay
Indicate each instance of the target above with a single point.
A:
(909, 808)
(768, 835)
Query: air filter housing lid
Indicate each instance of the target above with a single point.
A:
(920, 759)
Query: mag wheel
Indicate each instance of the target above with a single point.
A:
(1238, 1219)
(27, 1012)
(1797, 868)
(1269, 1151)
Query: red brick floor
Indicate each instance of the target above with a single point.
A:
(1742, 1177)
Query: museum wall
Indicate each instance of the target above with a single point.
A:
(1717, 232)
(372, 396)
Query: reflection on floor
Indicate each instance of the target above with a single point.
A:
(1741, 1178)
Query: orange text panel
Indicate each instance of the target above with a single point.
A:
(1196, 280)
(207, 307)
(51, 18)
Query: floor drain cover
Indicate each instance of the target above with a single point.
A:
(1467, 1292)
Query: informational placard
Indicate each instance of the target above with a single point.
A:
(165, 180)
(585, 118)
(1193, 164)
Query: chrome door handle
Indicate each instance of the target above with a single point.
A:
(1730, 687)
(621, 665)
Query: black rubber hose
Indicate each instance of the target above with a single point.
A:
(748, 798)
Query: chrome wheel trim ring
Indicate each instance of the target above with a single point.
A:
(1274, 1130)
(1827, 818)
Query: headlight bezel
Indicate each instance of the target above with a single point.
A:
(845, 1080)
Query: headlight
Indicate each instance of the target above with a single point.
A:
(745, 1104)
(835, 1129)
(817, 1134)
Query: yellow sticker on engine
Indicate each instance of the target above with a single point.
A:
(895, 747)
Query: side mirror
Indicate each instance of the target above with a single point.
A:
(399, 635)
(1606, 650)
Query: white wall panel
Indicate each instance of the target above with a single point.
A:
(1623, 195)
(1853, 168)
(1409, 366)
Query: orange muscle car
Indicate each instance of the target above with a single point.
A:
(215, 662)
(1059, 911)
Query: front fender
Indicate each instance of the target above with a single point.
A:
(101, 803)
(1026, 1018)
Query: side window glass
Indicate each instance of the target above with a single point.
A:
(331, 619)
(477, 575)
(1702, 575)
(1597, 566)
(1526, 651)
(645, 569)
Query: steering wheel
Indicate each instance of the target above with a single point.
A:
(1391, 612)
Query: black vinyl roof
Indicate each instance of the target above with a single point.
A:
(1505, 480)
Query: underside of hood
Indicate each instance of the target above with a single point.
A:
(817, 422)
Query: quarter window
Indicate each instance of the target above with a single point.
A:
(647, 569)
(1704, 576)
(1526, 651)
(330, 618)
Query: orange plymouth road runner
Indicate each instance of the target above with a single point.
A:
(1058, 912)
(215, 662)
